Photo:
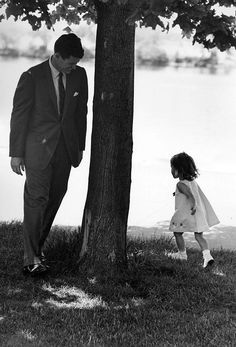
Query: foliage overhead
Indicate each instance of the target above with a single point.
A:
(198, 19)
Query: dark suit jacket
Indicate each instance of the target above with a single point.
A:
(35, 122)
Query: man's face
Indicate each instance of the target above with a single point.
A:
(66, 65)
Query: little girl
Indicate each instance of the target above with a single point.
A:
(193, 211)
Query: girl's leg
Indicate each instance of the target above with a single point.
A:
(201, 241)
(181, 254)
(180, 242)
(208, 259)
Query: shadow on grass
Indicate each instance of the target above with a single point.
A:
(148, 272)
(153, 293)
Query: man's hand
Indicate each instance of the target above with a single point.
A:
(17, 165)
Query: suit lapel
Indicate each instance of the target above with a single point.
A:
(69, 90)
(70, 81)
(50, 84)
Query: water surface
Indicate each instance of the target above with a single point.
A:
(176, 110)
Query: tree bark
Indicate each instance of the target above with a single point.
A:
(106, 210)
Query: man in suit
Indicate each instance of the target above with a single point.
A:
(47, 137)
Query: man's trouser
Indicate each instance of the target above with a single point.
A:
(43, 194)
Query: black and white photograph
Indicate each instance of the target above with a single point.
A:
(118, 173)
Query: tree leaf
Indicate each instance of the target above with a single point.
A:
(67, 30)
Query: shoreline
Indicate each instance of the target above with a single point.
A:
(157, 63)
(219, 237)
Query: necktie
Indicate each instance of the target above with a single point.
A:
(61, 94)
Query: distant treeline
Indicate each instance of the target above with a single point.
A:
(153, 47)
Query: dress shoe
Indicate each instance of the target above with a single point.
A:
(35, 270)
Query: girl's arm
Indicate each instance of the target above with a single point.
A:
(187, 192)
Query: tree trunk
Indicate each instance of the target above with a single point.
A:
(106, 210)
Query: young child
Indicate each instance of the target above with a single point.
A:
(193, 211)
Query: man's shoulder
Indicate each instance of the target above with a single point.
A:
(38, 68)
(80, 69)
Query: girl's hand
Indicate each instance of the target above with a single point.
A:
(193, 210)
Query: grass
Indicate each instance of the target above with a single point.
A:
(156, 302)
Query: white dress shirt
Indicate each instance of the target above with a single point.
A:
(55, 78)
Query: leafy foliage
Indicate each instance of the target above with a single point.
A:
(35, 11)
(197, 18)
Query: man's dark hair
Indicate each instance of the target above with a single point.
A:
(69, 45)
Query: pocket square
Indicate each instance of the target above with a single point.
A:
(76, 93)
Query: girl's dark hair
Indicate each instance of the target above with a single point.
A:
(185, 165)
(69, 45)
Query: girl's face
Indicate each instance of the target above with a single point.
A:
(174, 172)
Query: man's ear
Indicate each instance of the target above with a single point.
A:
(57, 55)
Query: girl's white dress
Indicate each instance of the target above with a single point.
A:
(182, 219)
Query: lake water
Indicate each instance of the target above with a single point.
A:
(175, 110)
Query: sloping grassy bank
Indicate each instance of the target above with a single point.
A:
(156, 302)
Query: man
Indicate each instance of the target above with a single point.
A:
(47, 137)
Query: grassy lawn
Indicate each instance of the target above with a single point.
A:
(156, 302)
